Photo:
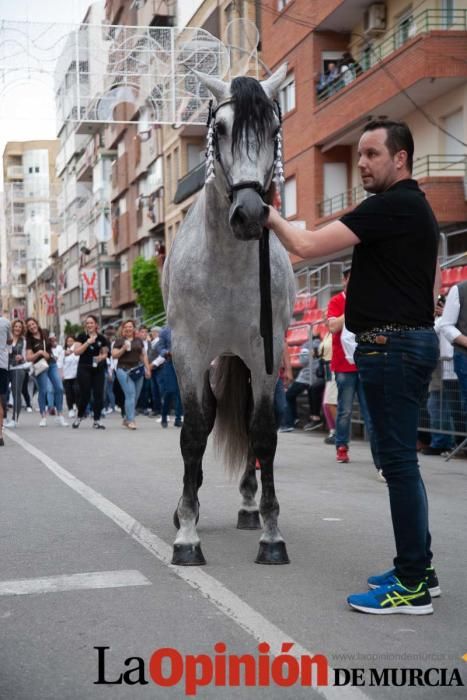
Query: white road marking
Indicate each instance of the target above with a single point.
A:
(74, 582)
(210, 588)
(333, 520)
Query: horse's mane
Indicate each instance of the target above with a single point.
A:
(254, 111)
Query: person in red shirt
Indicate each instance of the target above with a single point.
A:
(347, 379)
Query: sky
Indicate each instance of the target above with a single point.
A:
(27, 109)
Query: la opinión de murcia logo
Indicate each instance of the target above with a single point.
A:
(167, 667)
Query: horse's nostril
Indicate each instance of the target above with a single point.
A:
(240, 215)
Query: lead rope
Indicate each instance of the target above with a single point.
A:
(265, 324)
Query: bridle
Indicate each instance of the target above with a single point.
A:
(277, 173)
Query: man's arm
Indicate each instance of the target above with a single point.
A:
(331, 238)
(447, 324)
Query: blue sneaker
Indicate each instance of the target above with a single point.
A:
(395, 598)
(389, 577)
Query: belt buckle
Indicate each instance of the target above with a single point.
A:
(381, 339)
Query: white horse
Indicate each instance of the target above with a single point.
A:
(214, 305)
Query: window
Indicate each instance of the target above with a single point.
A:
(447, 10)
(36, 169)
(287, 94)
(195, 155)
(454, 125)
(282, 4)
(405, 27)
(290, 197)
(30, 170)
(120, 148)
(169, 176)
(122, 205)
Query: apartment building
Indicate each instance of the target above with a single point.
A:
(30, 191)
(137, 169)
(83, 166)
(409, 62)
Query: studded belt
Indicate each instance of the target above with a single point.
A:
(375, 335)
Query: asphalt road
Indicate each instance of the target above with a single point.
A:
(85, 540)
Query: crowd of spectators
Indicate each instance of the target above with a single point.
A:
(329, 379)
(123, 367)
(337, 74)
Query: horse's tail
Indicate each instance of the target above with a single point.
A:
(231, 384)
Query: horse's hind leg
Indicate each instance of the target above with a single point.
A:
(272, 549)
(248, 515)
(198, 421)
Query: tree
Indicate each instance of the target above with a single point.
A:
(72, 328)
(145, 282)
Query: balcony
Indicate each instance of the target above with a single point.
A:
(19, 291)
(407, 59)
(14, 172)
(426, 21)
(121, 233)
(440, 176)
(120, 174)
(122, 293)
(192, 182)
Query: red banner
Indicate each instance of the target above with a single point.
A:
(48, 301)
(89, 281)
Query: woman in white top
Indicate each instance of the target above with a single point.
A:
(70, 371)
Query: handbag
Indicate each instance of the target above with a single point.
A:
(136, 372)
(40, 366)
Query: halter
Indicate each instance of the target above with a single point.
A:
(213, 154)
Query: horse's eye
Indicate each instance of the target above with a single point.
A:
(220, 128)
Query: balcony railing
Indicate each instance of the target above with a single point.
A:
(426, 21)
(426, 166)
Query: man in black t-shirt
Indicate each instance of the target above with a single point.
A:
(390, 306)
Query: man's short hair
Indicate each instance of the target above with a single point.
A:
(398, 137)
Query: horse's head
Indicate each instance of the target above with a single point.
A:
(243, 146)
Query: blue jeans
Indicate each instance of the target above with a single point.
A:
(170, 396)
(291, 395)
(53, 375)
(395, 377)
(460, 368)
(109, 396)
(131, 391)
(349, 384)
(280, 403)
(156, 394)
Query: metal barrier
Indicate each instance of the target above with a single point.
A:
(443, 415)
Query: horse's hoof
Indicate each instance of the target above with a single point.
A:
(188, 555)
(272, 553)
(248, 520)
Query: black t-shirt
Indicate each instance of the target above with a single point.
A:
(394, 265)
(94, 349)
(36, 344)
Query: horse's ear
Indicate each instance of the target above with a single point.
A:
(272, 84)
(217, 87)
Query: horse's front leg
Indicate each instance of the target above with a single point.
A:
(263, 437)
(248, 515)
(199, 411)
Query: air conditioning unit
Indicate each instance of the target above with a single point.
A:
(374, 19)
